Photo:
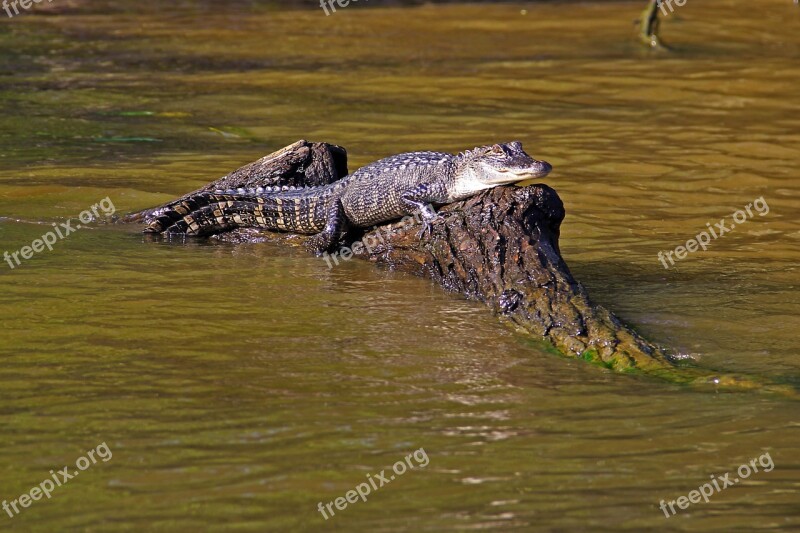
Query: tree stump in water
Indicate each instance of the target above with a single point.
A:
(499, 247)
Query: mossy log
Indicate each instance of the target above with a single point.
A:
(500, 247)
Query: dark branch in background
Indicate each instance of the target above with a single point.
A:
(499, 247)
(649, 25)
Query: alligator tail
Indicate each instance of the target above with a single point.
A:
(210, 213)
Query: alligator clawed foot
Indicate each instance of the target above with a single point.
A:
(427, 230)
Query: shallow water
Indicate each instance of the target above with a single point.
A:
(238, 386)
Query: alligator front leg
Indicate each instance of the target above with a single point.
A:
(419, 200)
(335, 227)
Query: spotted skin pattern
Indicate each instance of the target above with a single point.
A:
(382, 191)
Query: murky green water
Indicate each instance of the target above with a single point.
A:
(238, 386)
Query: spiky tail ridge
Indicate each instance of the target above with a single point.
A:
(209, 213)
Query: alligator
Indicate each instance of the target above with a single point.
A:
(499, 246)
(382, 191)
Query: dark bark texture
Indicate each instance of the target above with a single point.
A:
(499, 247)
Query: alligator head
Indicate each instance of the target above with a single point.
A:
(499, 164)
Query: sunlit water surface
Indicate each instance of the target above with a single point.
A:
(238, 386)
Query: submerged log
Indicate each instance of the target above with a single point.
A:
(500, 247)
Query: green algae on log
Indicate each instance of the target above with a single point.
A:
(500, 247)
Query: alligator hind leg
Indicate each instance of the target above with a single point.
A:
(335, 227)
